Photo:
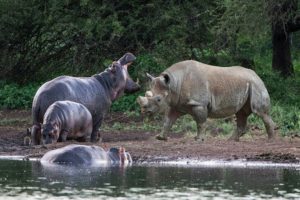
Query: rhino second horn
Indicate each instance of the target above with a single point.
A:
(148, 94)
(149, 76)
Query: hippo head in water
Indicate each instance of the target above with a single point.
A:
(119, 76)
(84, 155)
(119, 155)
(50, 133)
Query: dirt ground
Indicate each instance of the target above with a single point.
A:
(144, 147)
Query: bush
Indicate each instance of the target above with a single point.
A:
(13, 96)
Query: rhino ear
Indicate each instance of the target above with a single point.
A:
(167, 78)
(151, 78)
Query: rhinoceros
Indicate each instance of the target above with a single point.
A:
(83, 155)
(66, 119)
(96, 93)
(206, 91)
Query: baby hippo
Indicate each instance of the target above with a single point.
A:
(66, 119)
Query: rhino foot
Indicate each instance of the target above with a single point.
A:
(159, 137)
(199, 139)
(234, 138)
(272, 137)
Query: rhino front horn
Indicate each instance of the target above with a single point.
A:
(142, 100)
(150, 77)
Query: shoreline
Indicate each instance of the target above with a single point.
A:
(183, 162)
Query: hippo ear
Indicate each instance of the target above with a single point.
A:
(28, 132)
(113, 67)
(151, 78)
(126, 59)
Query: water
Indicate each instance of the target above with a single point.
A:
(30, 180)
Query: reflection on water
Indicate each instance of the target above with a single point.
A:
(30, 180)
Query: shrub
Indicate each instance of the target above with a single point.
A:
(13, 96)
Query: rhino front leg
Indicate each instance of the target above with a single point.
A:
(199, 114)
(170, 119)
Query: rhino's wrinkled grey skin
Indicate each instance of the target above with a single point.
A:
(203, 91)
(66, 119)
(83, 155)
(96, 93)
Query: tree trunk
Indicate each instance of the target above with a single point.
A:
(282, 60)
(284, 21)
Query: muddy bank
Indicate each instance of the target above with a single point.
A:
(144, 147)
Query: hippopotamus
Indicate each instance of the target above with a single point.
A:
(96, 93)
(83, 155)
(66, 119)
(206, 91)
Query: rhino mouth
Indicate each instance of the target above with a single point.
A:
(148, 112)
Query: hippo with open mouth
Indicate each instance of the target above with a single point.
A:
(96, 93)
(83, 155)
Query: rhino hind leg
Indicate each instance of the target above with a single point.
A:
(241, 122)
(199, 114)
(269, 124)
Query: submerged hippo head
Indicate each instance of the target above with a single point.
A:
(119, 155)
(50, 133)
(119, 77)
(152, 104)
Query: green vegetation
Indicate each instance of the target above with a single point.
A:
(44, 39)
(13, 96)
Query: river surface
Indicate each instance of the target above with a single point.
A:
(30, 180)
